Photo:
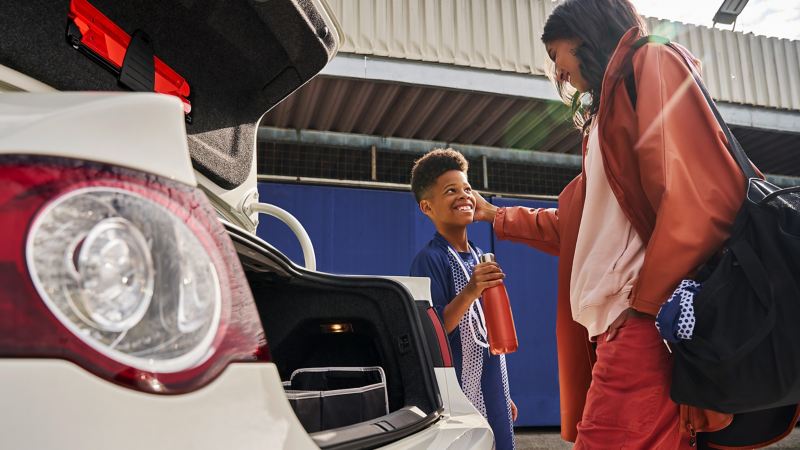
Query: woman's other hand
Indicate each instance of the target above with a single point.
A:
(484, 210)
(613, 329)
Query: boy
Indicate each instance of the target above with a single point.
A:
(439, 183)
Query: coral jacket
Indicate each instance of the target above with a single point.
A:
(668, 166)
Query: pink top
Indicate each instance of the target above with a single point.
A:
(608, 253)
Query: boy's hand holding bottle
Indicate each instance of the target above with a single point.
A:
(484, 275)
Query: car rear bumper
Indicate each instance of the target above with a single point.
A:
(54, 404)
(461, 425)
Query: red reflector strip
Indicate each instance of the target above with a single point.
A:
(109, 42)
(444, 347)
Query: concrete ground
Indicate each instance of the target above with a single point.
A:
(549, 439)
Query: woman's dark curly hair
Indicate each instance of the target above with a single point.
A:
(598, 25)
(431, 166)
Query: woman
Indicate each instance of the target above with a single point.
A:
(655, 199)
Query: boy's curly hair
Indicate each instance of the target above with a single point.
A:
(431, 165)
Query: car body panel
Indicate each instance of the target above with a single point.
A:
(232, 204)
(50, 403)
(14, 81)
(135, 130)
(461, 425)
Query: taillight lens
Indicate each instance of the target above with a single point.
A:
(136, 273)
(441, 337)
(127, 277)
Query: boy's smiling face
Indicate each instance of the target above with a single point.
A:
(450, 201)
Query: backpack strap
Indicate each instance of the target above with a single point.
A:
(630, 80)
(733, 146)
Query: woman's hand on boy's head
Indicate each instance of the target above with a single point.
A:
(484, 210)
(485, 275)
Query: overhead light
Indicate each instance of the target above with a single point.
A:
(729, 11)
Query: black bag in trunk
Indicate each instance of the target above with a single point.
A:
(324, 398)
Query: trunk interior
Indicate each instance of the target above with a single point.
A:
(315, 320)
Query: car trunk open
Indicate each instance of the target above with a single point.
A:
(239, 57)
(382, 328)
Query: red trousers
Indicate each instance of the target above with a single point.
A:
(628, 404)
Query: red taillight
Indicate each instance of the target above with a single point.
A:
(46, 314)
(441, 336)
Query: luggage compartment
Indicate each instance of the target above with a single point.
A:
(316, 320)
(331, 397)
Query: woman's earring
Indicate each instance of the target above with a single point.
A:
(586, 100)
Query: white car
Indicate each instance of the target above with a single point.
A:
(138, 308)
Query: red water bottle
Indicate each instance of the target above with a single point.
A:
(499, 320)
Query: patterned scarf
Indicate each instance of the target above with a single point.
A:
(472, 353)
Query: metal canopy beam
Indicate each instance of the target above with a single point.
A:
(366, 142)
(448, 76)
(517, 85)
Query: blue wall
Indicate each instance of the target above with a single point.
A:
(531, 279)
(376, 232)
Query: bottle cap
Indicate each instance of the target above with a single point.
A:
(487, 257)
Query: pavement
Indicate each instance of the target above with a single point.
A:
(539, 438)
(550, 439)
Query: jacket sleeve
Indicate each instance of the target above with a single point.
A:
(691, 181)
(537, 227)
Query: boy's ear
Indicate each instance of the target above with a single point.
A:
(425, 207)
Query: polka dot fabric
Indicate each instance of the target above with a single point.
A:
(483, 377)
(507, 392)
(471, 353)
(675, 320)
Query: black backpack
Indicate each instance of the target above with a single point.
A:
(744, 356)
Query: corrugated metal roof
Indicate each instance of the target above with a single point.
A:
(473, 118)
(504, 35)
(487, 34)
(417, 112)
(741, 68)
